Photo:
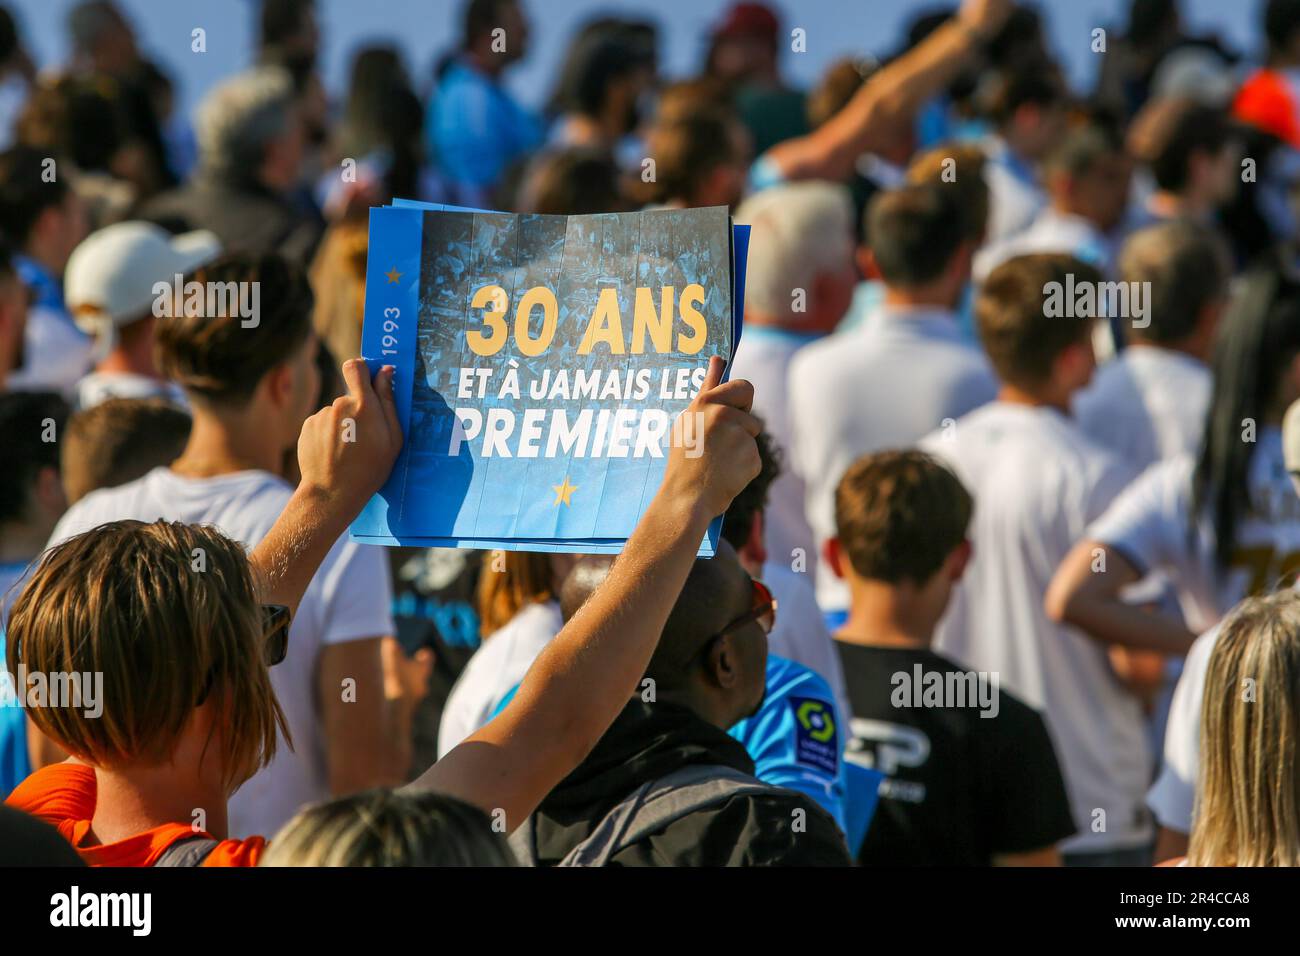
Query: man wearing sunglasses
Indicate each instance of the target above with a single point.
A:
(666, 785)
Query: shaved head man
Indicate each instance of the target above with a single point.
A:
(701, 664)
(666, 785)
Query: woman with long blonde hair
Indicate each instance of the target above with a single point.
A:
(1248, 794)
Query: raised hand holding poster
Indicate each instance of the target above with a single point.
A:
(541, 362)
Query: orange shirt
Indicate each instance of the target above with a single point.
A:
(63, 795)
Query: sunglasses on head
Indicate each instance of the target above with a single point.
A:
(275, 633)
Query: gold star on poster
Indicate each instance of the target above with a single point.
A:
(562, 492)
(393, 274)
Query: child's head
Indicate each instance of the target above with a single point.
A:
(900, 524)
(1028, 314)
(120, 440)
(168, 615)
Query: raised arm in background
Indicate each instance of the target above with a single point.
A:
(891, 95)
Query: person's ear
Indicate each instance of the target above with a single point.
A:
(1207, 325)
(753, 553)
(867, 263)
(49, 492)
(957, 562)
(1075, 364)
(47, 221)
(960, 265)
(279, 385)
(834, 556)
(724, 661)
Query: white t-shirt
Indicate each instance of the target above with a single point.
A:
(884, 384)
(763, 358)
(1037, 482)
(1014, 197)
(349, 598)
(495, 670)
(1150, 525)
(1172, 796)
(98, 387)
(1148, 404)
(800, 634)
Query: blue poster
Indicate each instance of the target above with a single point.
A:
(541, 362)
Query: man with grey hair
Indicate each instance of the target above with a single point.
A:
(904, 372)
(799, 283)
(251, 142)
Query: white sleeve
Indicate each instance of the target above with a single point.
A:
(1172, 795)
(1113, 478)
(1148, 522)
(78, 519)
(794, 447)
(355, 592)
(461, 715)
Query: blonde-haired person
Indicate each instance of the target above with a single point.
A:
(389, 828)
(1248, 792)
(170, 736)
(519, 613)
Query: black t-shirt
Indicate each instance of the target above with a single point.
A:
(959, 787)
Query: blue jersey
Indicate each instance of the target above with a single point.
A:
(14, 762)
(475, 130)
(794, 739)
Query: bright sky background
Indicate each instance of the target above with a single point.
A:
(424, 28)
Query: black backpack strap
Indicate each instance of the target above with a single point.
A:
(658, 803)
(190, 851)
(523, 843)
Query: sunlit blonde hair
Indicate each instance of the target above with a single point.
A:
(389, 828)
(167, 612)
(1248, 795)
(509, 582)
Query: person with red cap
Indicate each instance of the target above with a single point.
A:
(744, 53)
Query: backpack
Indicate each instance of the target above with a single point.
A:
(647, 810)
(191, 851)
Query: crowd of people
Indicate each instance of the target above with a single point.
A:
(1008, 456)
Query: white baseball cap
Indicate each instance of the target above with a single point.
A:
(110, 278)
